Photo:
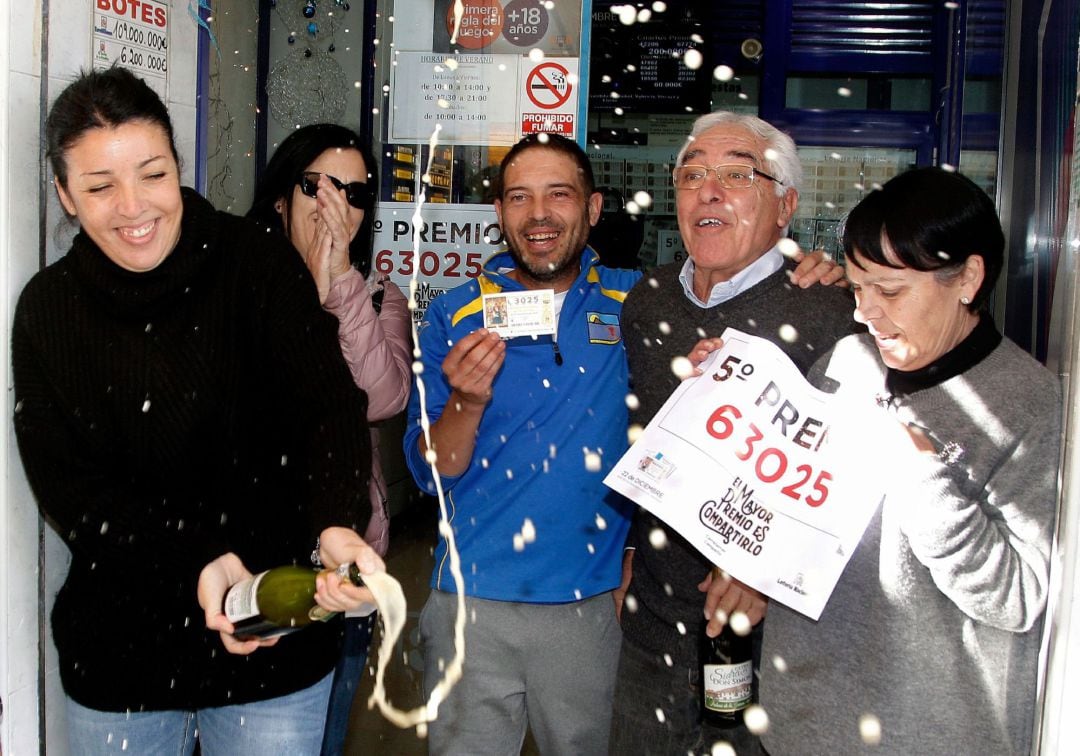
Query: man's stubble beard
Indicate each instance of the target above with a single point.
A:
(546, 274)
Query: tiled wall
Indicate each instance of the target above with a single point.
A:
(834, 180)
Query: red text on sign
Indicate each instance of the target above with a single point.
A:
(136, 10)
(770, 463)
(448, 264)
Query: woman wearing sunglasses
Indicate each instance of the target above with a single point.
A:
(319, 188)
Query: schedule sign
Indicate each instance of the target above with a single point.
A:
(463, 94)
(738, 462)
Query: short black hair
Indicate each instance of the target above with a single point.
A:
(554, 142)
(934, 220)
(101, 99)
(293, 156)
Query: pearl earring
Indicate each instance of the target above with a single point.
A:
(965, 300)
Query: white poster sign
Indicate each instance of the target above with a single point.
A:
(548, 96)
(455, 240)
(133, 34)
(669, 246)
(464, 94)
(467, 96)
(737, 462)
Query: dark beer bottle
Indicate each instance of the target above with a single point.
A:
(727, 674)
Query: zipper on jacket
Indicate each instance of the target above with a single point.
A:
(558, 354)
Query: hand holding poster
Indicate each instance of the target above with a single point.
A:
(737, 462)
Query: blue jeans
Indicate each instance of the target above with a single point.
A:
(347, 674)
(290, 725)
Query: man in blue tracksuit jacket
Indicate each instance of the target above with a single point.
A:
(524, 431)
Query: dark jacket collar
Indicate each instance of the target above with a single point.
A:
(129, 294)
(978, 344)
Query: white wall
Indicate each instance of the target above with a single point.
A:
(69, 36)
(19, 66)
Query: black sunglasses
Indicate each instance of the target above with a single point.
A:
(358, 194)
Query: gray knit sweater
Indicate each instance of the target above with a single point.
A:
(660, 323)
(934, 627)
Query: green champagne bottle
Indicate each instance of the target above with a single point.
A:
(278, 601)
(726, 677)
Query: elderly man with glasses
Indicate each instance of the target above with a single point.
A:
(736, 182)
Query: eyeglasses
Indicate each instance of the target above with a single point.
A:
(357, 193)
(729, 176)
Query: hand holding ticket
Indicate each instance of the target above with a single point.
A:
(737, 462)
(520, 313)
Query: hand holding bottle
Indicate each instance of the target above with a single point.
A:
(338, 546)
(724, 595)
(214, 582)
(286, 598)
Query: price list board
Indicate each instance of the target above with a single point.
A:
(133, 34)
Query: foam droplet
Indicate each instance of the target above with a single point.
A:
(682, 367)
(870, 729)
(788, 246)
(658, 538)
(756, 719)
(592, 461)
(528, 530)
(740, 623)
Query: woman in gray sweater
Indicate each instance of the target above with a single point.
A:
(929, 643)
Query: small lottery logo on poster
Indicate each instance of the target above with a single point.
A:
(520, 313)
(655, 466)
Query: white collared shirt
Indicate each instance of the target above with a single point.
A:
(751, 275)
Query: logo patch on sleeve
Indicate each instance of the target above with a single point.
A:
(604, 328)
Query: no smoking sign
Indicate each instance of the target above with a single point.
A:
(548, 85)
(547, 101)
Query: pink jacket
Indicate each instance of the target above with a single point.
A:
(377, 346)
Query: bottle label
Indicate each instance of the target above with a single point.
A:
(728, 687)
(241, 602)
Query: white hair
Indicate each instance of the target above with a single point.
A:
(781, 156)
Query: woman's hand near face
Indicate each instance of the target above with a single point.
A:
(327, 252)
(317, 258)
(334, 213)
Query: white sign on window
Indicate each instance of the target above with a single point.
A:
(133, 34)
(737, 462)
